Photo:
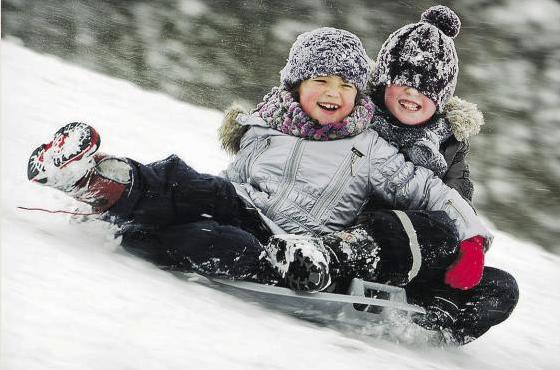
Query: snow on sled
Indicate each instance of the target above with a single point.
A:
(351, 308)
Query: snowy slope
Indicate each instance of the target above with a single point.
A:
(72, 299)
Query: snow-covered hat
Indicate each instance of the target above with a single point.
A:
(422, 55)
(327, 51)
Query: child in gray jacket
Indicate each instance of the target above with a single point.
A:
(308, 161)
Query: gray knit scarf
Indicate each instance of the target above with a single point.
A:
(420, 144)
(282, 112)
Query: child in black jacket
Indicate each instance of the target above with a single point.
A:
(412, 85)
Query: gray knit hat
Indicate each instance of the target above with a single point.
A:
(327, 51)
(422, 55)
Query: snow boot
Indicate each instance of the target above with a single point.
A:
(437, 317)
(66, 159)
(302, 261)
(440, 320)
(69, 163)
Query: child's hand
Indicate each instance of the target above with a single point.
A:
(466, 272)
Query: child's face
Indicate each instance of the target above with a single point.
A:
(327, 99)
(408, 105)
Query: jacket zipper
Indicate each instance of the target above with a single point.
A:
(293, 163)
(356, 155)
(341, 182)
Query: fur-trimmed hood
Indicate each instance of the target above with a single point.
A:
(464, 117)
(231, 132)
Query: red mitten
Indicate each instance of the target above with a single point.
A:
(466, 272)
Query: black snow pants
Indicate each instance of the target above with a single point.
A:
(466, 314)
(183, 220)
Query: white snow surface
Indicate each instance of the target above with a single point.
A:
(71, 298)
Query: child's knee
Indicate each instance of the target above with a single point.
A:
(502, 287)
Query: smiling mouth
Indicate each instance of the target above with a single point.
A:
(409, 105)
(328, 106)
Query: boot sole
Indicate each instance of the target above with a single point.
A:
(89, 145)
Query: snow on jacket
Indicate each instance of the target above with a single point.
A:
(310, 187)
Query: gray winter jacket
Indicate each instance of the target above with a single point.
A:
(310, 187)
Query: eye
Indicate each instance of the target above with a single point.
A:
(348, 86)
(320, 80)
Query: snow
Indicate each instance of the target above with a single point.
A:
(71, 298)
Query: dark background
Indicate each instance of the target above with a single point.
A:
(212, 53)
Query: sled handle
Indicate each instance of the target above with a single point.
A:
(358, 287)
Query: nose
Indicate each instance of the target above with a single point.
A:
(412, 91)
(331, 93)
(332, 90)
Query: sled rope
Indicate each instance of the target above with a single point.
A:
(58, 211)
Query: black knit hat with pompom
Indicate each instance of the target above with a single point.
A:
(422, 55)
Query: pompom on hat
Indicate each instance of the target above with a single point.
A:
(327, 51)
(422, 55)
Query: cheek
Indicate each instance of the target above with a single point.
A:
(348, 103)
(308, 101)
(391, 103)
(429, 107)
(391, 92)
(347, 108)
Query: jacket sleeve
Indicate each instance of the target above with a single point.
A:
(408, 187)
(458, 174)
